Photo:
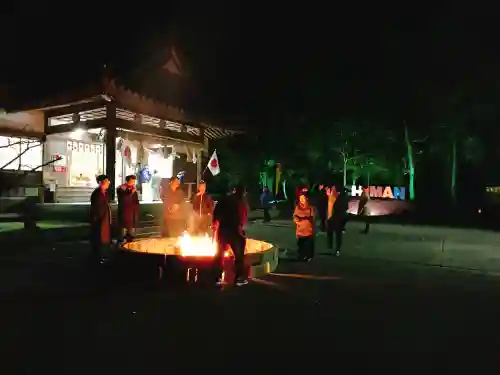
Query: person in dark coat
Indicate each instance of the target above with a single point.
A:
(203, 207)
(363, 209)
(174, 221)
(229, 219)
(128, 209)
(100, 218)
(336, 214)
(321, 206)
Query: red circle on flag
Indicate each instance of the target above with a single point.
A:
(213, 163)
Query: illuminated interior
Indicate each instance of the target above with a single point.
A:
(20, 153)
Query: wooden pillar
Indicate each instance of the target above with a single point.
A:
(111, 148)
(45, 158)
(199, 157)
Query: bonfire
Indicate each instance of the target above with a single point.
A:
(198, 246)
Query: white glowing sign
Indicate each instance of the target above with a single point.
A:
(396, 192)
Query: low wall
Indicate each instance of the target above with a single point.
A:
(382, 207)
(80, 212)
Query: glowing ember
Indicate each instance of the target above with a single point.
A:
(199, 246)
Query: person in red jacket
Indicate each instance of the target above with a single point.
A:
(229, 218)
(100, 219)
(128, 209)
(304, 217)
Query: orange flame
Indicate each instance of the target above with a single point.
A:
(198, 246)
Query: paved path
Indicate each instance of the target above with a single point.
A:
(446, 247)
(357, 312)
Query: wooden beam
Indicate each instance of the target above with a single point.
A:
(89, 124)
(150, 138)
(141, 128)
(70, 109)
(45, 123)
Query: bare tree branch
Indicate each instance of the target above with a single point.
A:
(20, 154)
(17, 143)
(44, 164)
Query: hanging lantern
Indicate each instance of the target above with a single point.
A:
(127, 156)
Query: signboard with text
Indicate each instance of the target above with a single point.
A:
(59, 163)
(386, 192)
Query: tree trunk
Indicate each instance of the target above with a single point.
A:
(453, 186)
(411, 165)
(345, 172)
(283, 184)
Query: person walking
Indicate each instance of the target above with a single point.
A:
(128, 209)
(363, 212)
(229, 218)
(203, 206)
(336, 212)
(304, 219)
(266, 198)
(322, 202)
(174, 222)
(100, 219)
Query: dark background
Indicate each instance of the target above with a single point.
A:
(282, 70)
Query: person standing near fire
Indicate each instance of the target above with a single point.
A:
(174, 222)
(100, 219)
(128, 209)
(229, 218)
(304, 217)
(203, 206)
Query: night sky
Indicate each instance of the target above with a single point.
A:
(257, 62)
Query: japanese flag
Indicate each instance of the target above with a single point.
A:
(213, 164)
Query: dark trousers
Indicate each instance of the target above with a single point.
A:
(367, 224)
(322, 223)
(237, 242)
(344, 222)
(96, 247)
(334, 227)
(202, 224)
(267, 216)
(126, 234)
(305, 247)
(97, 244)
(173, 227)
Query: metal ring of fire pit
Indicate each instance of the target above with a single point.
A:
(261, 258)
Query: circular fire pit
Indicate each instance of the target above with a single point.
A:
(191, 258)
